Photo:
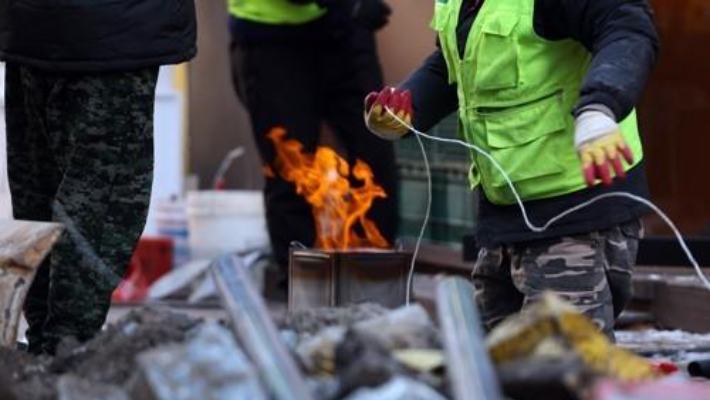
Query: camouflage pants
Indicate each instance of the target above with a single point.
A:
(80, 152)
(593, 271)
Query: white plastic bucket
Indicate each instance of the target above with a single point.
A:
(171, 221)
(221, 221)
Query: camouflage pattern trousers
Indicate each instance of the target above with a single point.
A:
(80, 152)
(593, 271)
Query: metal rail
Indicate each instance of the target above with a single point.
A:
(253, 327)
(470, 368)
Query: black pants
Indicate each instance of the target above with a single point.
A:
(80, 152)
(299, 85)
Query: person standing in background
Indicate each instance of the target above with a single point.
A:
(297, 64)
(79, 92)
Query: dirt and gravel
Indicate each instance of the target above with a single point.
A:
(109, 358)
(105, 367)
(312, 321)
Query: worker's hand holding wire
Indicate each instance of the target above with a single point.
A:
(600, 146)
(381, 122)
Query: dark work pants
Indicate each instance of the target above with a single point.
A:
(80, 152)
(299, 86)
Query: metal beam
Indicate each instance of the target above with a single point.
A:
(470, 368)
(255, 330)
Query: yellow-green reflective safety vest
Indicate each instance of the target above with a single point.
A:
(274, 12)
(516, 91)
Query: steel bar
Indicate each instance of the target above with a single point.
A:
(470, 368)
(253, 327)
(23, 246)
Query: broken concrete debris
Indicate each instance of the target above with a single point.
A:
(71, 387)
(107, 361)
(362, 361)
(209, 366)
(402, 328)
(399, 388)
(317, 353)
(311, 321)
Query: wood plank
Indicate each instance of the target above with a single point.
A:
(23, 246)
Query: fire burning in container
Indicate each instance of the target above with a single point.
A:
(324, 180)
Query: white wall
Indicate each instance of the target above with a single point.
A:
(5, 200)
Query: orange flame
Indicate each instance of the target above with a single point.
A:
(323, 180)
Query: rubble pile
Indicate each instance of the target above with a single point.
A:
(343, 350)
(106, 361)
(156, 354)
(361, 352)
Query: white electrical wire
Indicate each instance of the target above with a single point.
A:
(410, 276)
(524, 212)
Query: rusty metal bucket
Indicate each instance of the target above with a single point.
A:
(331, 278)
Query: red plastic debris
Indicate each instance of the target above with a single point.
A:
(152, 259)
(665, 368)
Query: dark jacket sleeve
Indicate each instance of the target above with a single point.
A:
(622, 38)
(433, 97)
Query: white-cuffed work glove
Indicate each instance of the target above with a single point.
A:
(600, 144)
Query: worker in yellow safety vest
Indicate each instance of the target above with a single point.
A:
(547, 88)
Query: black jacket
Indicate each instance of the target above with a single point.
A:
(622, 38)
(97, 35)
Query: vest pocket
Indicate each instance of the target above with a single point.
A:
(527, 140)
(497, 55)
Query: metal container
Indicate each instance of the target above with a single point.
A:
(330, 278)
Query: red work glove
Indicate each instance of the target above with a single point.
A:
(600, 146)
(379, 121)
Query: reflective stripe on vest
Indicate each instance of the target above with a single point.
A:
(516, 91)
(274, 12)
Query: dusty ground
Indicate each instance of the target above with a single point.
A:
(107, 359)
(312, 321)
